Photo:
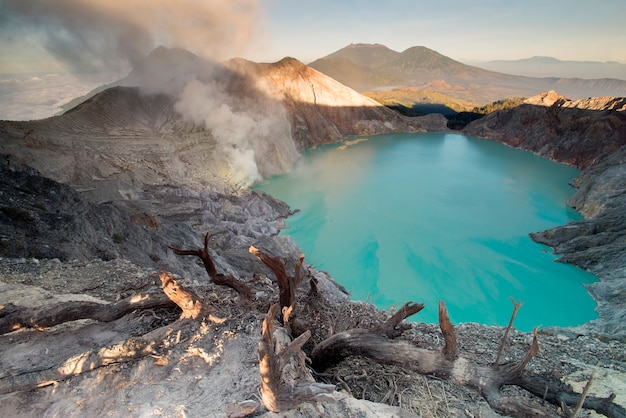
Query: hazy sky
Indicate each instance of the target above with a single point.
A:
(76, 45)
(463, 29)
(38, 35)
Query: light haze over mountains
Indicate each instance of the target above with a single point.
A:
(538, 66)
(363, 67)
(370, 67)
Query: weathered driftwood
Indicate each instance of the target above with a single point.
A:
(445, 364)
(285, 380)
(286, 284)
(14, 317)
(186, 300)
(220, 279)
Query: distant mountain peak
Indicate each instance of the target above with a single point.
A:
(162, 52)
(367, 55)
(543, 60)
(364, 45)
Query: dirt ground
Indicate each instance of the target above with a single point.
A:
(210, 367)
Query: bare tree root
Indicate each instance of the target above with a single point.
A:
(220, 279)
(393, 327)
(285, 380)
(287, 286)
(14, 317)
(516, 306)
(185, 299)
(445, 364)
(450, 347)
(561, 394)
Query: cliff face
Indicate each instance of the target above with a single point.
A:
(578, 133)
(589, 134)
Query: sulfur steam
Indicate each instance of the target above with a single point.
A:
(250, 131)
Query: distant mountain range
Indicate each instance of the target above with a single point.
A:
(374, 67)
(553, 67)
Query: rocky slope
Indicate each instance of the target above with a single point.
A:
(102, 190)
(321, 109)
(589, 134)
(206, 127)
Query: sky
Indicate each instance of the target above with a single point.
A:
(38, 38)
(465, 30)
(83, 37)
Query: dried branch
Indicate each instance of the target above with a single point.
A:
(450, 347)
(532, 352)
(14, 317)
(581, 401)
(286, 284)
(297, 275)
(393, 328)
(516, 307)
(186, 300)
(215, 277)
(130, 350)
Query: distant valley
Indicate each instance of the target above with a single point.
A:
(372, 68)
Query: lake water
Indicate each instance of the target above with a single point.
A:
(429, 217)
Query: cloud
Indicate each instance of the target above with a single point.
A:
(27, 97)
(96, 33)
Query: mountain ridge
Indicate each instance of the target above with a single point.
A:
(418, 66)
(540, 66)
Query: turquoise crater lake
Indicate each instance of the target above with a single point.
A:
(429, 217)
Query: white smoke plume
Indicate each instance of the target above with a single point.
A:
(251, 131)
(93, 33)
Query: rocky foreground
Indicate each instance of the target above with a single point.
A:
(93, 201)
